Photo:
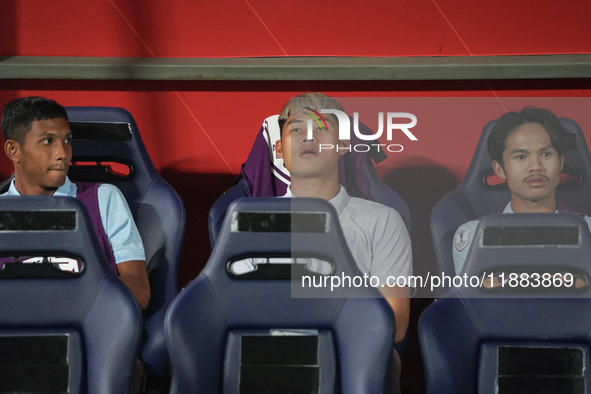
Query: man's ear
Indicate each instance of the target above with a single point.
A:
(561, 161)
(12, 150)
(279, 149)
(344, 146)
(498, 169)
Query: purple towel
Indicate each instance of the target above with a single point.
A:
(87, 193)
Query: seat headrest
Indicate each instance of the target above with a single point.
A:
(39, 287)
(293, 228)
(533, 244)
(55, 226)
(107, 146)
(320, 233)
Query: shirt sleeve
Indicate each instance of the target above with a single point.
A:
(588, 220)
(461, 244)
(119, 225)
(392, 254)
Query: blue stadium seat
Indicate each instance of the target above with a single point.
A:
(529, 243)
(258, 332)
(62, 332)
(478, 194)
(512, 338)
(264, 175)
(108, 148)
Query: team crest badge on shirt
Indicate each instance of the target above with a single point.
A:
(462, 239)
(350, 237)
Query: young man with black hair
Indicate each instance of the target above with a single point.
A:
(527, 149)
(37, 139)
(375, 234)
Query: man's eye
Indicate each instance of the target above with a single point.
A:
(520, 157)
(47, 141)
(546, 154)
(68, 140)
(296, 130)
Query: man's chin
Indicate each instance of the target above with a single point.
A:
(56, 182)
(536, 198)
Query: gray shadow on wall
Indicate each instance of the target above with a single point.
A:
(421, 187)
(198, 191)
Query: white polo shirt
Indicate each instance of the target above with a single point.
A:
(375, 234)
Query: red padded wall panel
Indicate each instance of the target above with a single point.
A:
(237, 28)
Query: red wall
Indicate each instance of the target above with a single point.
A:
(198, 28)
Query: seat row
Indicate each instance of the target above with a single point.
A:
(224, 332)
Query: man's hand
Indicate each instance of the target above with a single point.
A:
(135, 276)
(489, 283)
(399, 300)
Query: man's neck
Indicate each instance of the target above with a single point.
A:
(314, 187)
(32, 190)
(546, 205)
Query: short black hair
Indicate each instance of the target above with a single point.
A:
(497, 138)
(18, 115)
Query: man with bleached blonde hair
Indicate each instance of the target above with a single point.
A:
(375, 234)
